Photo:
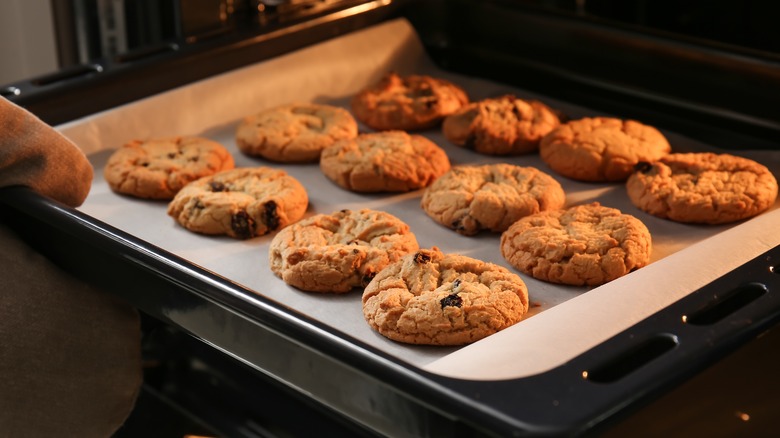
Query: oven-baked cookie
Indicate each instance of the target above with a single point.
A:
(159, 168)
(437, 299)
(500, 126)
(294, 133)
(407, 103)
(490, 197)
(583, 245)
(601, 148)
(340, 251)
(388, 161)
(241, 203)
(702, 188)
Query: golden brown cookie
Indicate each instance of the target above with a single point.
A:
(159, 168)
(241, 203)
(601, 148)
(490, 197)
(500, 126)
(702, 188)
(294, 133)
(583, 245)
(437, 299)
(389, 161)
(407, 103)
(340, 251)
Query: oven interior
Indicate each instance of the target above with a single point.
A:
(709, 70)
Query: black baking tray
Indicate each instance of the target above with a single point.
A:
(386, 394)
(504, 41)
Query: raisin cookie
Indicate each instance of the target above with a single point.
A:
(389, 161)
(437, 299)
(702, 188)
(407, 103)
(159, 168)
(490, 197)
(583, 245)
(500, 126)
(241, 203)
(294, 133)
(601, 148)
(340, 251)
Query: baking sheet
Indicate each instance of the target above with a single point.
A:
(563, 321)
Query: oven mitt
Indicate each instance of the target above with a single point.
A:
(70, 355)
(35, 155)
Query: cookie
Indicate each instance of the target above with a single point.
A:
(340, 251)
(159, 168)
(601, 148)
(583, 245)
(389, 161)
(407, 103)
(490, 197)
(241, 203)
(294, 133)
(437, 299)
(703, 188)
(500, 126)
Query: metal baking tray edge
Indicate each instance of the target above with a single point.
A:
(379, 391)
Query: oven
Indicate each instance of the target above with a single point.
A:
(227, 353)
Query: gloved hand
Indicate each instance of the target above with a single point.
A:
(70, 354)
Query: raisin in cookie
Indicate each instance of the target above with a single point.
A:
(500, 126)
(490, 197)
(583, 245)
(159, 168)
(601, 148)
(702, 188)
(294, 133)
(241, 203)
(437, 299)
(389, 161)
(407, 103)
(340, 251)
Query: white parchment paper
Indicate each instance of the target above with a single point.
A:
(563, 321)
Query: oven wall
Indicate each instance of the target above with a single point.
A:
(27, 44)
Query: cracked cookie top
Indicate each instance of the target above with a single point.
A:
(583, 245)
(490, 197)
(601, 148)
(340, 251)
(241, 203)
(503, 125)
(443, 299)
(407, 102)
(702, 188)
(389, 161)
(294, 133)
(159, 168)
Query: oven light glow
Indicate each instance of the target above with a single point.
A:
(685, 319)
(584, 374)
(743, 416)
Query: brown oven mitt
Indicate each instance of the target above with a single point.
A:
(70, 355)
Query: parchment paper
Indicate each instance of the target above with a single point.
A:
(563, 321)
